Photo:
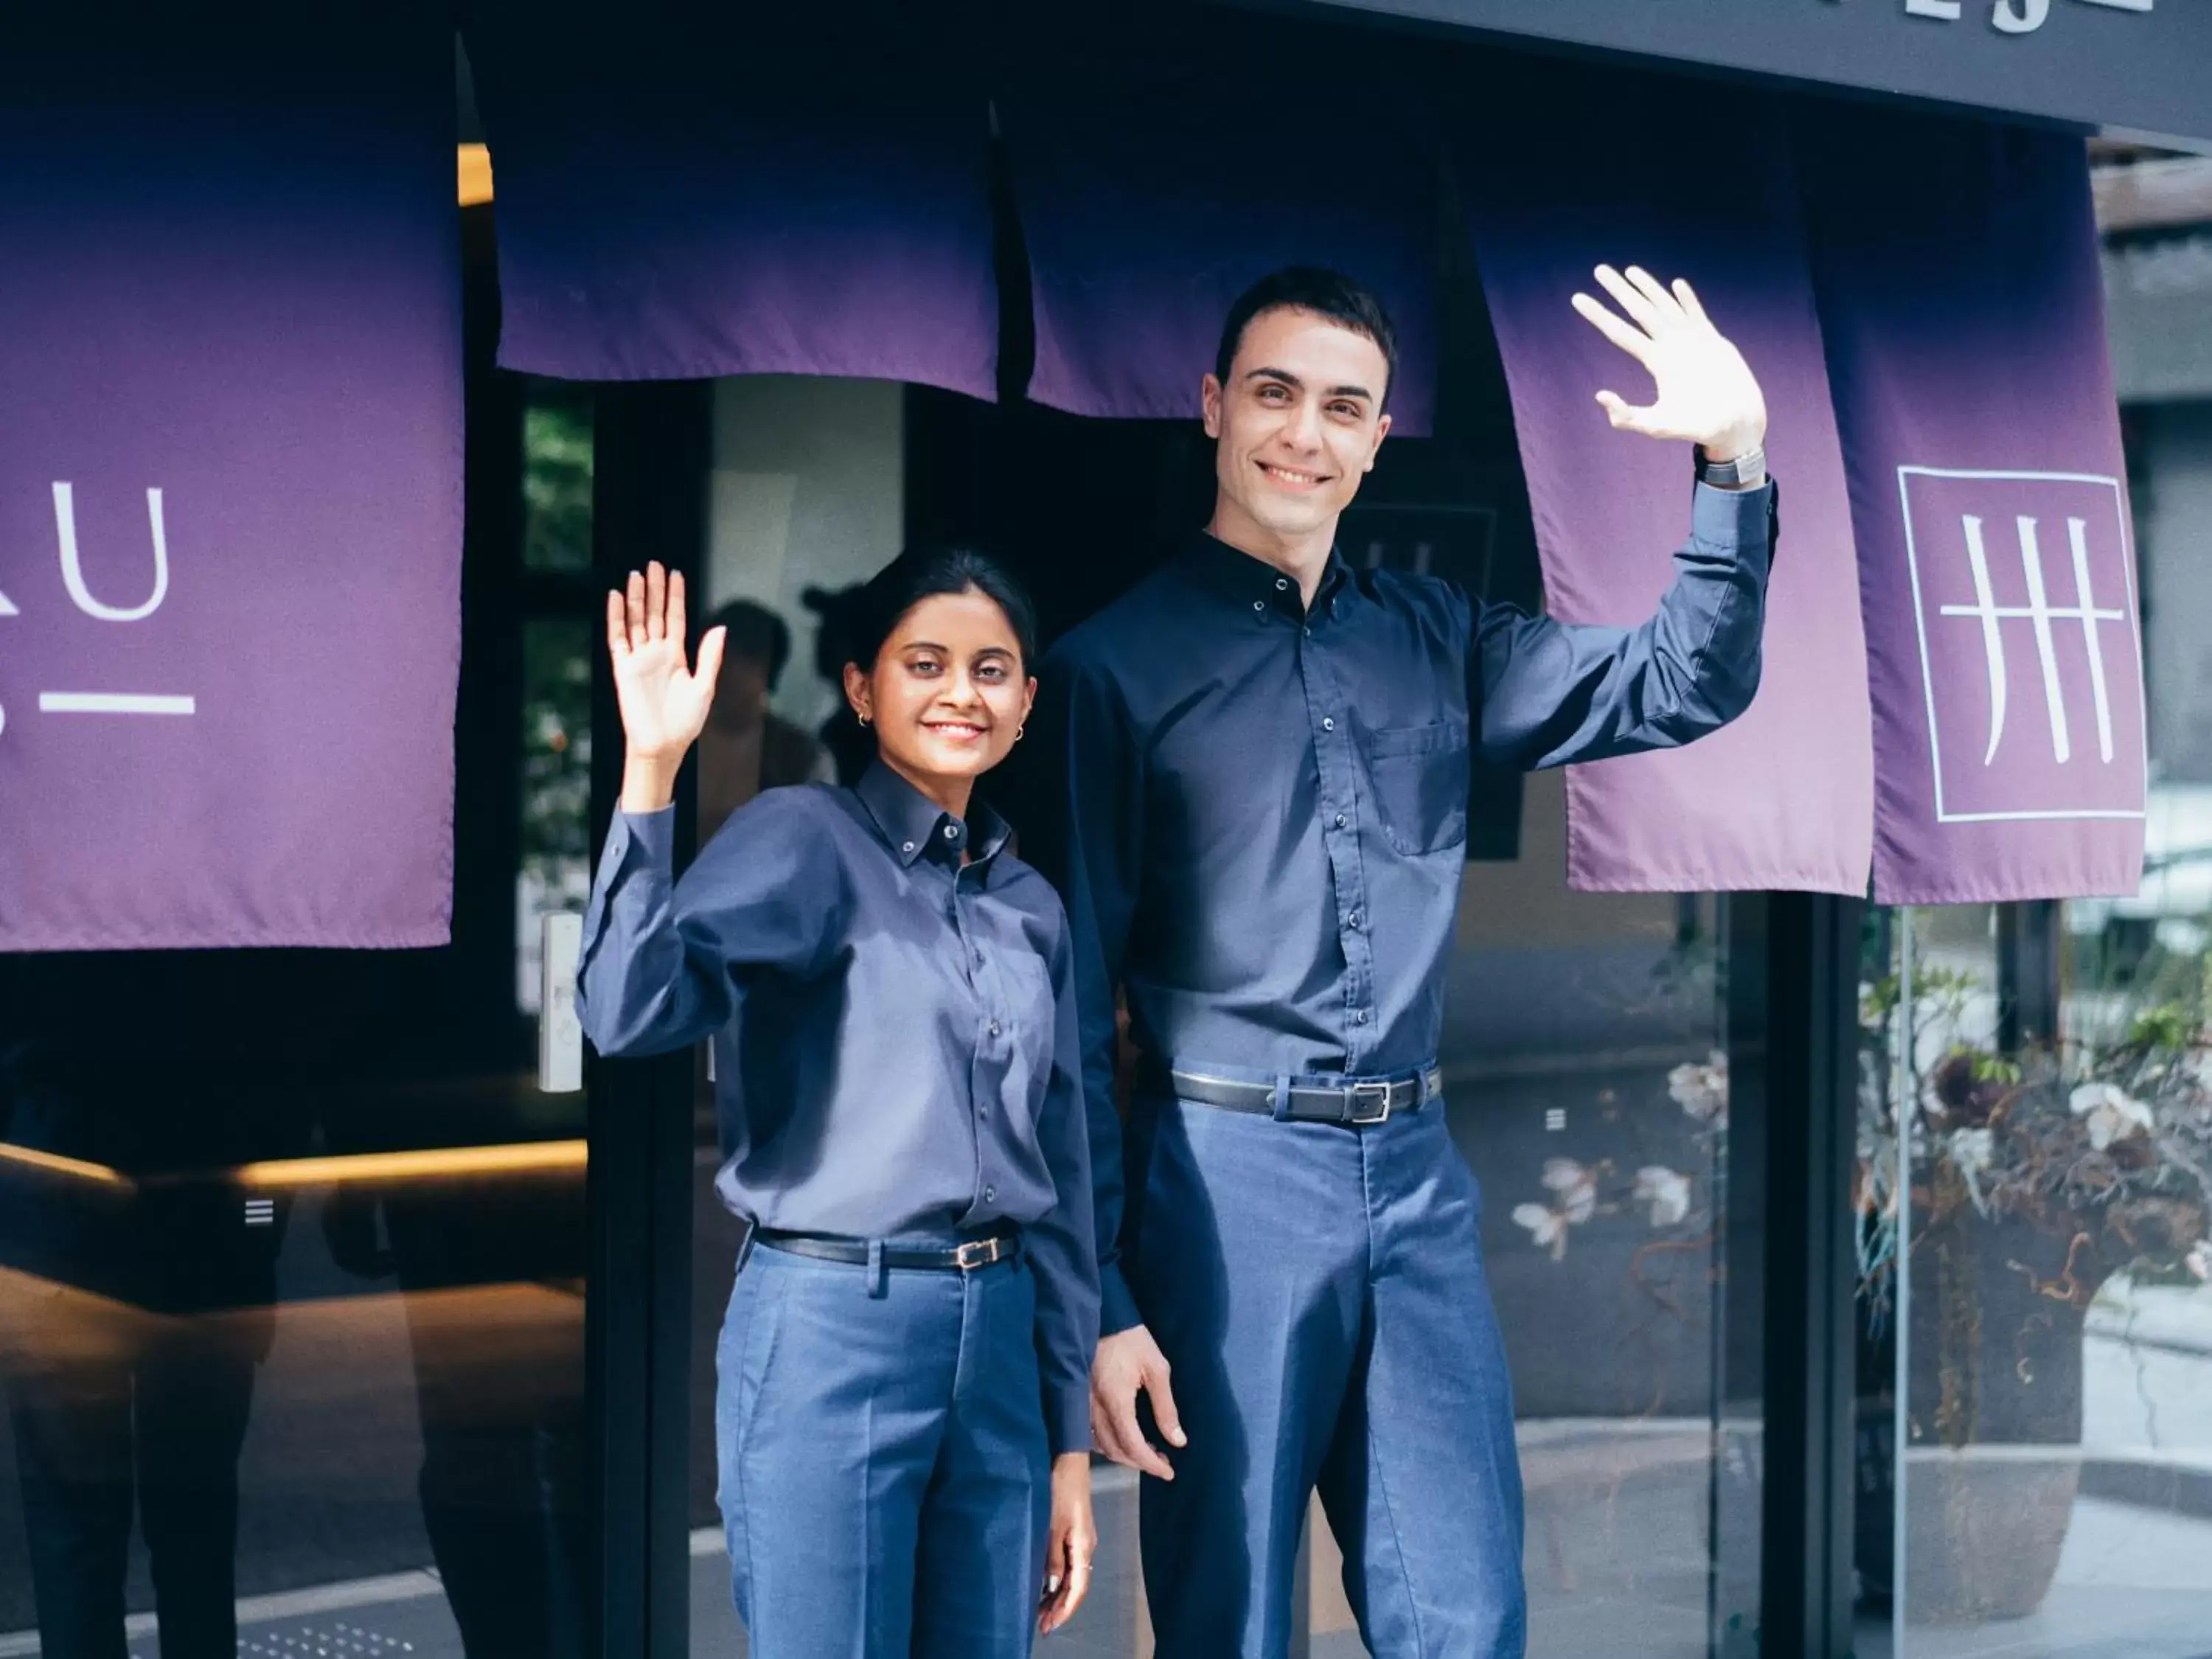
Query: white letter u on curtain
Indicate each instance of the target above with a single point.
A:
(73, 568)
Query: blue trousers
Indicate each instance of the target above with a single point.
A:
(885, 1488)
(1319, 1293)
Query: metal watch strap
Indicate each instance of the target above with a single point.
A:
(1748, 470)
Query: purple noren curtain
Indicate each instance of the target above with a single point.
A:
(1782, 798)
(707, 190)
(1957, 269)
(1152, 193)
(230, 480)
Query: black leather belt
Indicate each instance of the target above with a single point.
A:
(1357, 1103)
(965, 1257)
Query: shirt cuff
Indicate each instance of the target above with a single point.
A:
(1117, 1308)
(652, 834)
(1067, 1420)
(636, 842)
(1732, 521)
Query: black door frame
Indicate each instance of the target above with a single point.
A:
(650, 451)
(1793, 1045)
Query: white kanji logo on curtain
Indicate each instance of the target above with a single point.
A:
(2023, 593)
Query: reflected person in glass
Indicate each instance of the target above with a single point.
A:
(137, 1305)
(747, 746)
(903, 1413)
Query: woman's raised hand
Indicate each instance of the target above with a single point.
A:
(663, 700)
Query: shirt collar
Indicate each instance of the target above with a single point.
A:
(915, 826)
(1252, 584)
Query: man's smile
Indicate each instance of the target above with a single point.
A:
(1292, 477)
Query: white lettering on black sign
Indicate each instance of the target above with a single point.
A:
(2012, 17)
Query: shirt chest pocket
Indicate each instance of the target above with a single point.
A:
(1029, 1001)
(1420, 777)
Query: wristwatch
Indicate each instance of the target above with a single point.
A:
(1746, 472)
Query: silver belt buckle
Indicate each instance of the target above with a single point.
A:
(1377, 1092)
(976, 1253)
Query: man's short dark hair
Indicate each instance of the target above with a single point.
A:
(756, 634)
(1325, 294)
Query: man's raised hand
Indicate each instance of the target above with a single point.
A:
(1705, 393)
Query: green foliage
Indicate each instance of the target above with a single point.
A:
(2168, 1026)
(1991, 1068)
(556, 481)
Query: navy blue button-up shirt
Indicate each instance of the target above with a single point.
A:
(896, 1039)
(1259, 827)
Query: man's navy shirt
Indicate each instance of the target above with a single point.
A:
(1259, 817)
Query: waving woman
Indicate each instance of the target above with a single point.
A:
(902, 1412)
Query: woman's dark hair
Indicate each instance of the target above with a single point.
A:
(922, 572)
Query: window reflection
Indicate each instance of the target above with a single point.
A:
(557, 653)
(1588, 1079)
(557, 789)
(2035, 1200)
(292, 1247)
(136, 1311)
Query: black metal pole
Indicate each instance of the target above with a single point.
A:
(651, 453)
(1794, 980)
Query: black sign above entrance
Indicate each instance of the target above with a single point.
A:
(2139, 67)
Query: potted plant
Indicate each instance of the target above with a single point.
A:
(2033, 1179)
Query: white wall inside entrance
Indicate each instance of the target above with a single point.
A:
(807, 490)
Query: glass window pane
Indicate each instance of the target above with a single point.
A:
(2036, 1323)
(556, 786)
(1587, 1069)
(556, 477)
(307, 1297)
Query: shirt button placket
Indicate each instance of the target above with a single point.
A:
(1334, 752)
